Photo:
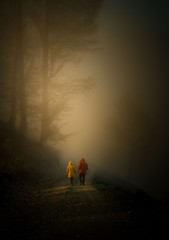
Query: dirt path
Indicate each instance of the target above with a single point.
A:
(79, 212)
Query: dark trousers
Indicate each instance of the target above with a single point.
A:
(82, 178)
(71, 180)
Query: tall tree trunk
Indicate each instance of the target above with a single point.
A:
(22, 91)
(45, 78)
(14, 82)
(13, 111)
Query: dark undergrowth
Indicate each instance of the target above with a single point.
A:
(148, 215)
(25, 167)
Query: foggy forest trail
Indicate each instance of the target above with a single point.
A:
(80, 212)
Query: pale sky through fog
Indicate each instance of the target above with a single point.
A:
(85, 118)
(122, 125)
(91, 111)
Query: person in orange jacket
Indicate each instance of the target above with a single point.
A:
(82, 168)
(71, 171)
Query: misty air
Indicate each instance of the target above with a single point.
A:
(84, 119)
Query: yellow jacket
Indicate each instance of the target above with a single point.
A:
(70, 170)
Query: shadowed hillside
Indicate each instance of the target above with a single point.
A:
(23, 161)
(38, 204)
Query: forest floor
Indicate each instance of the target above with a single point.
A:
(37, 203)
(81, 212)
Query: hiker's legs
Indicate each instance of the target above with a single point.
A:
(71, 180)
(83, 178)
(80, 178)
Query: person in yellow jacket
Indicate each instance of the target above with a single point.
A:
(71, 171)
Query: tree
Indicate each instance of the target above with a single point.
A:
(42, 37)
(13, 26)
(66, 27)
(20, 65)
(8, 60)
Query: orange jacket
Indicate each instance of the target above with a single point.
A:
(83, 166)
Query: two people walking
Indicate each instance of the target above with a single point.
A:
(82, 169)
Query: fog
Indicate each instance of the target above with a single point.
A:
(91, 80)
(121, 127)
